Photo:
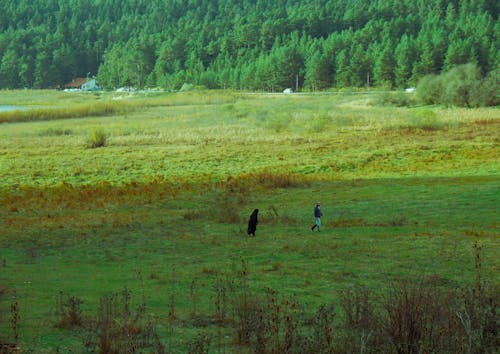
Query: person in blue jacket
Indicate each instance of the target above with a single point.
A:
(317, 215)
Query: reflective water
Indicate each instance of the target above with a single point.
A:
(6, 108)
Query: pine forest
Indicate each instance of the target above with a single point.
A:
(243, 44)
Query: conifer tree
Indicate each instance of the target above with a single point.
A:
(318, 72)
(384, 66)
(404, 56)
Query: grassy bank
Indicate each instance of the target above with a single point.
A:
(151, 226)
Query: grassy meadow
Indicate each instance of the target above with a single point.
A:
(145, 236)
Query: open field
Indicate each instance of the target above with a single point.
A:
(158, 215)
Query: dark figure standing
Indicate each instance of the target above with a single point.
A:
(317, 215)
(252, 223)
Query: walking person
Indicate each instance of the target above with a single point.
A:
(252, 223)
(317, 215)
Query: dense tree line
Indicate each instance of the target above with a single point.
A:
(247, 44)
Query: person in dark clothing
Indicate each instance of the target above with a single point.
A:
(317, 215)
(252, 223)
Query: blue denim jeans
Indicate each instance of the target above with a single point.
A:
(318, 223)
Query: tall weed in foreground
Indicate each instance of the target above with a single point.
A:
(200, 345)
(118, 329)
(415, 316)
(14, 319)
(68, 309)
(12, 315)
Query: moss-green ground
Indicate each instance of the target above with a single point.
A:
(162, 208)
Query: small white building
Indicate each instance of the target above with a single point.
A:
(82, 84)
(90, 85)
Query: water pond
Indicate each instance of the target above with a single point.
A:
(7, 108)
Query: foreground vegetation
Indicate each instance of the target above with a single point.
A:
(141, 242)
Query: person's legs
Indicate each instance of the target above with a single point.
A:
(318, 223)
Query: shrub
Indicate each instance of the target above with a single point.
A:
(199, 345)
(279, 122)
(459, 84)
(97, 138)
(318, 122)
(486, 91)
(69, 311)
(398, 99)
(119, 329)
(429, 89)
(462, 86)
(425, 119)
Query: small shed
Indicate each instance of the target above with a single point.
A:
(90, 85)
(82, 83)
(76, 83)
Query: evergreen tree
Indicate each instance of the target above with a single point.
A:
(455, 55)
(9, 70)
(342, 73)
(318, 72)
(384, 66)
(358, 69)
(425, 62)
(404, 57)
(42, 75)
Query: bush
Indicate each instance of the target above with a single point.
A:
(486, 91)
(318, 123)
(279, 122)
(429, 89)
(425, 119)
(69, 311)
(120, 329)
(398, 99)
(459, 84)
(97, 138)
(462, 86)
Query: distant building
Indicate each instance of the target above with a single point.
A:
(90, 85)
(83, 84)
(76, 83)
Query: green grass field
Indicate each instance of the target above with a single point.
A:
(160, 211)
